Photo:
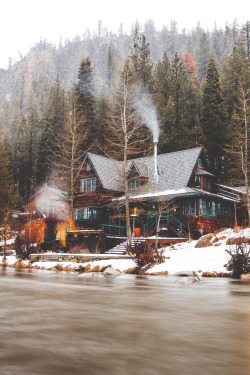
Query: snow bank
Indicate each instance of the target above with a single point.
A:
(185, 257)
(182, 257)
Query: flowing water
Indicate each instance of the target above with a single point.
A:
(57, 323)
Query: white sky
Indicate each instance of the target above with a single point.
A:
(25, 22)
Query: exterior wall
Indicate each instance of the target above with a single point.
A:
(39, 231)
(96, 198)
(204, 224)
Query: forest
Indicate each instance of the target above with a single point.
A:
(58, 102)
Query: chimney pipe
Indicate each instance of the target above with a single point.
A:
(156, 176)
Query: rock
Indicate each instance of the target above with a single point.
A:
(133, 271)
(187, 280)
(184, 273)
(111, 272)
(245, 276)
(222, 238)
(209, 274)
(205, 241)
(216, 239)
(237, 241)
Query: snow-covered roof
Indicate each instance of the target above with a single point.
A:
(175, 169)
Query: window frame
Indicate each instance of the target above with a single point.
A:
(134, 183)
(189, 207)
(88, 185)
(82, 213)
(207, 208)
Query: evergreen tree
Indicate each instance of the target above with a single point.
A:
(203, 54)
(8, 195)
(235, 75)
(212, 120)
(86, 102)
(52, 124)
(142, 63)
(176, 105)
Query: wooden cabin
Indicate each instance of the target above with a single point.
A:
(46, 216)
(184, 194)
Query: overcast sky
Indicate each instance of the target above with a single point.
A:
(25, 22)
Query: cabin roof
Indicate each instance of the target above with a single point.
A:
(175, 168)
(47, 190)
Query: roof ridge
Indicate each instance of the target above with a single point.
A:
(167, 153)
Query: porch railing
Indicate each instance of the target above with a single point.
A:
(113, 227)
(169, 219)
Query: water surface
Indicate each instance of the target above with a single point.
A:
(57, 323)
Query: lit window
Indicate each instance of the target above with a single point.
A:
(88, 184)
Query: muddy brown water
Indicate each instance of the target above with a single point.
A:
(57, 323)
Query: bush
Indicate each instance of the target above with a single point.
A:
(24, 249)
(145, 255)
(240, 260)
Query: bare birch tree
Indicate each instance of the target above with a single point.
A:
(68, 153)
(126, 132)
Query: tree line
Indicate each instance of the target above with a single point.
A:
(196, 105)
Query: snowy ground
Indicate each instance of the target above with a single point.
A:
(182, 257)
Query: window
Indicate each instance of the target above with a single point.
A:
(207, 208)
(189, 207)
(135, 183)
(88, 166)
(224, 209)
(198, 182)
(86, 213)
(199, 163)
(88, 184)
(207, 183)
(203, 182)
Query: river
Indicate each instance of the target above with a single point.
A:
(58, 323)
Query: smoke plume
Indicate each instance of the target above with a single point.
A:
(147, 111)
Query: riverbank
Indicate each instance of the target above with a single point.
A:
(183, 258)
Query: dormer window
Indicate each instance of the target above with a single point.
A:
(88, 166)
(198, 182)
(135, 183)
(199, 163)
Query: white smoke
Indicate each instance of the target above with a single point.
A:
(147, 111)
(51, 203)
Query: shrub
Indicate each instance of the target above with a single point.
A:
(24, 249)
(240, 260)
(145, 255)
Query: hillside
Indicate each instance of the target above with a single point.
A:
(34, 74)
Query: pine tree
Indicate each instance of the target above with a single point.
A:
(235, 75)
(142, 63)
(7, 191)
(178, 108)
(86, 102)
(52, 123)
(212, 120)
(203, 54)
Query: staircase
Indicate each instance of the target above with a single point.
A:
(121, 249)
(174, 225)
